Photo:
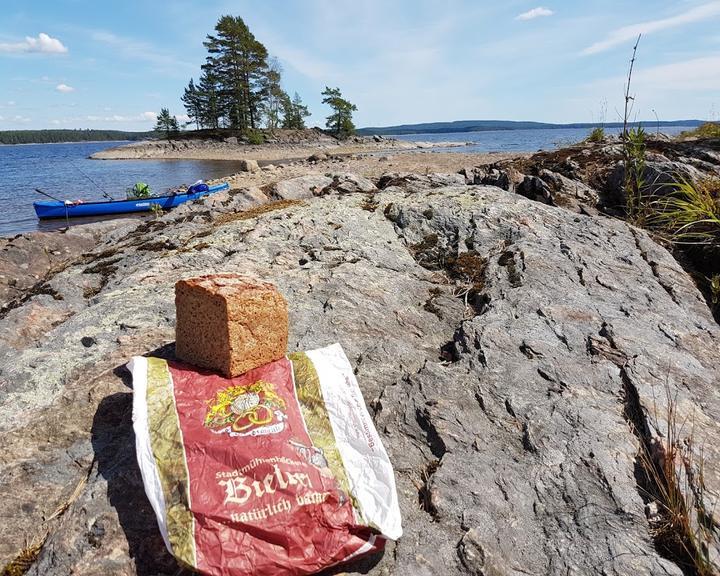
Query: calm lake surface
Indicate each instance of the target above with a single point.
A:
(64, 170)
(522, 140)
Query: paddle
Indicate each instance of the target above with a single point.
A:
(67, 218)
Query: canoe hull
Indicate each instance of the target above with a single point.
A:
(54, 209)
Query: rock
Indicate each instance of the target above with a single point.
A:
(502, 176)
(659, 179)
(228, 201)
(570, 168)
(514, 356)
(318, 157)
(88, 341)
(378, 138)
(570, 194)
(432, 180)
(248, 165)
(535, 188)
(269, 167)
(232, 140)
(301, 187)
(26, 259)
(346, 183)
(555, 189)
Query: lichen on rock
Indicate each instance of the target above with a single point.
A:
(508, 350)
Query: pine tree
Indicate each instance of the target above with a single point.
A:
(167, 124)
(239, 62)
(191, 100)
(209, 100)
(294, 112)
(340, 121)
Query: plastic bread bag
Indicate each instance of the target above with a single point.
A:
(277, 471)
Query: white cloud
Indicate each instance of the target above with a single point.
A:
(149, 116)
(627, 33)
(42, 44)
(182, 117)
(11, 103)
(64, 88)
(538, 12)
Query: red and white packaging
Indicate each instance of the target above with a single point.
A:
(278, 471)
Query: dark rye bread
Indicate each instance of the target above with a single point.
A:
(229, 323)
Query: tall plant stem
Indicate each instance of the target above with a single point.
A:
(629, 98)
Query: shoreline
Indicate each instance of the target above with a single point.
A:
(71, 142)
(511, 287)
(274, 151)
(54, 246)
(370, 164)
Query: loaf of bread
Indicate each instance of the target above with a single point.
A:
(229, 323)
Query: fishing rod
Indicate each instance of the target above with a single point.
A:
(105, 194)
(67, 218)
(48, 195)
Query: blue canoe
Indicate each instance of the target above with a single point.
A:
(56, 209)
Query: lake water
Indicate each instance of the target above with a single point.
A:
(522, 140)
(64, 171)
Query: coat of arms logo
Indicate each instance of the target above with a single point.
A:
(252, 410)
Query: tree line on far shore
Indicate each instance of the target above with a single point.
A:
(240, 89)
(65, 135)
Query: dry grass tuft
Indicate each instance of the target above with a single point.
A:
(715, 289)
(424, 487)
(682, 528)
(369, 203)
(257, 211)
(25, 558)
(597, 134)
(691, 214)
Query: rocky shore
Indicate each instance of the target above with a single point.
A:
(284, 144)
(520, 350)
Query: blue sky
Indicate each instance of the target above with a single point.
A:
(115, 63)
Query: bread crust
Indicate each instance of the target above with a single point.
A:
(230, 323)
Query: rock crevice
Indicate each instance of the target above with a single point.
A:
(500, 378)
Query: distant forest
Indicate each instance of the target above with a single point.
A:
(56, 136)
(487, 125)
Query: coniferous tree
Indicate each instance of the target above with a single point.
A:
(209, 99)
(191, 99)
(340, 121)
(167, 124)
(294, 112)
(239, 62)
(240, 86)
